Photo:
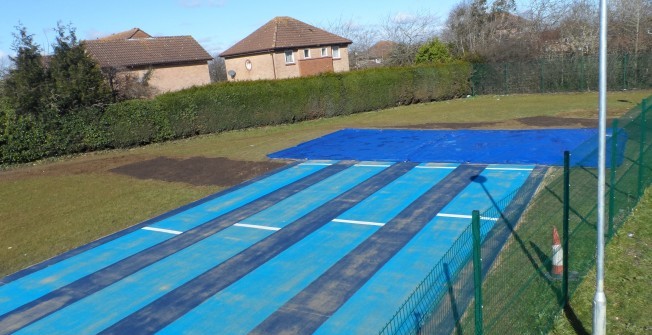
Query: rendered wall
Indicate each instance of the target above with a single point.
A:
(175, 78)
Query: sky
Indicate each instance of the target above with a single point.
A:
(215, 24)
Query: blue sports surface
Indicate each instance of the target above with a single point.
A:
(540, 146)
(322, 246)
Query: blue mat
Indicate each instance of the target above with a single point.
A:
(540, 146)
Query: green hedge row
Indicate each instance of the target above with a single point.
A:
(226, 106)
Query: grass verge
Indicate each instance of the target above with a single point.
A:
(55, 205)
(628, 278)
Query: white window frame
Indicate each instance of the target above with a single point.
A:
(324, 52)
(306, 53)
(289, 57)
(336, 52)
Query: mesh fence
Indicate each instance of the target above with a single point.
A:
(561, 74)
(519, 294)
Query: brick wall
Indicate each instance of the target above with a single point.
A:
(175, 78)
(261, 67)
(310, 67)
(270, 66)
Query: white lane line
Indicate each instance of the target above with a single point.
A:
(460, 216)
(160, 230)
(316, 164)
(366, 223)
(372, 165)
(510, 169)
(435, 167)
(256, 226)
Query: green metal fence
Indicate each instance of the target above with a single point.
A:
(561, 74)
(519, 294)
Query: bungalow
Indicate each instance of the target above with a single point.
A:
(172, 63)
(284, 48)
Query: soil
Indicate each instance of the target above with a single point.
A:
(225, 172)
(218, 171)
(522, 123)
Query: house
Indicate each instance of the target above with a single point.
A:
(285, 48)
(375, 56)
(171, 63)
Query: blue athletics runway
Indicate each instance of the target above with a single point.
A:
(321, 246)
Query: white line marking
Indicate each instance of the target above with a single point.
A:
(160, 230)
(435, 167)
(372, 165)
(366, 223)
(256, 226)
(459, 216)
(510, 169)
(316, 164)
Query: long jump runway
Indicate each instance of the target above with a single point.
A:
(324, 247)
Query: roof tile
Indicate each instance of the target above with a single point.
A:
(283, 33)
(146, 51)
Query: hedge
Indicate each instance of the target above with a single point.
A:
(226, 106)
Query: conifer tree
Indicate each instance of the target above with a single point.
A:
(76, 78)
(26, 83)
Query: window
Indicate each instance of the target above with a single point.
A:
(324, 52)
(306, 53)
(289, 57)
(336, 52)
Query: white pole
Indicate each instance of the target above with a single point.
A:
(600, 300)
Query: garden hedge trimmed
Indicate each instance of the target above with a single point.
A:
(226, 106)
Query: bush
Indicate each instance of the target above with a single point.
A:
(225, 106)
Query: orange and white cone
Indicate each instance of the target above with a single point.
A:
(557, 255)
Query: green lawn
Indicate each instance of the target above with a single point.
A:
(55, 205)
(628, 281)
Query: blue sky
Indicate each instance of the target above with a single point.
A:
(215, 24)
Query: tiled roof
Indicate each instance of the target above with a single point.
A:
(146, 51)
(381, 49)
(126, 35)
(283, 33)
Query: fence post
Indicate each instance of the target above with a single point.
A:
(564, 282)
(541, 76)
(612, 176)
(625, 61)
(477, 271)
(642, 147)
(505, 85)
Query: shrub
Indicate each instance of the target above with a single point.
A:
(225, 106)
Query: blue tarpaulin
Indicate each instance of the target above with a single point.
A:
(537, 146)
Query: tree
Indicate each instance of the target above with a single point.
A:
(76, 78)
(363, 38)
(630, 21)
(435, 51)
(59, 83)
(126, 85)
(490, 31)
(4, 67)
(26, 84)
(409, 32)
(579, 27)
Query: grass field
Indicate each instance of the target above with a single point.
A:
(628, 278)
(55, 205)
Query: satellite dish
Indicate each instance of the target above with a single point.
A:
(231, 74)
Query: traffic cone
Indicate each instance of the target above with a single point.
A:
(557, 270)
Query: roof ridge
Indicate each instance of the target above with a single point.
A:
(274, 38)
(283, 32)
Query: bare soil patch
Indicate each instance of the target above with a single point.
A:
(198, 171)
(225, 172)
(79, 165)
(521, 123)
(562, 122)
(451, 125)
